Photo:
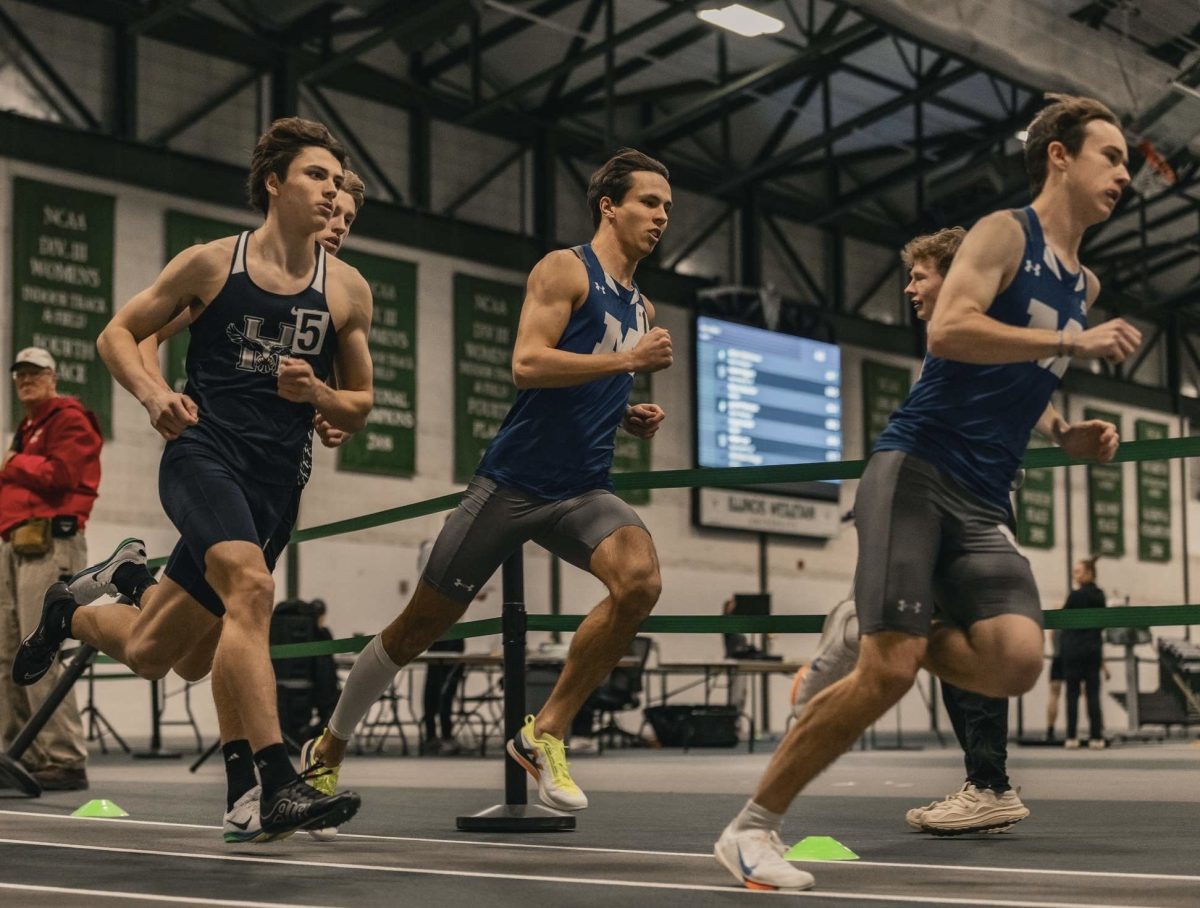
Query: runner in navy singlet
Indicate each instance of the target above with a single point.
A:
(932, 508)
(585, 328)
(272, 316)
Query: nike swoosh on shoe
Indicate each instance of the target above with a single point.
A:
(746, 871)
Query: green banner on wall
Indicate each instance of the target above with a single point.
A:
(884, 388)
(632, 454)
(1106, 499)
(184, 230)
(485, 327)
(388, 445)
(1035, 505)
(62, 272)
(1153, 497)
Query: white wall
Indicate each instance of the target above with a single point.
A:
(360, 575)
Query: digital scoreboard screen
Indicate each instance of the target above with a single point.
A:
(764, 398)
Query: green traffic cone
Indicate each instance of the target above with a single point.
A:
(820, 848)
(101, 807)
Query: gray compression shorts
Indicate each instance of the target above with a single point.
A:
(923, 538)
(492, 521)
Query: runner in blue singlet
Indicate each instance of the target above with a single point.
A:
(932, 508)
(585, 328)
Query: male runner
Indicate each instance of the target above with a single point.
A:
(585, 328)
(986, 801)
(932, 508)
(271, 313)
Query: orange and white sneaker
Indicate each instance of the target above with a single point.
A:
(545, 758)
(755, 858)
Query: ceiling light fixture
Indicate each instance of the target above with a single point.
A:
(742, 20)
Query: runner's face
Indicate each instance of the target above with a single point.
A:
(641, 217)
(306, 198)
(338, 228)
(924, 285)
(1098, 175)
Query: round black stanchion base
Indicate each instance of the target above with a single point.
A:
(14, 775)
(517, 818)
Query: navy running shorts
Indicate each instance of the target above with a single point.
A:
(209, 504)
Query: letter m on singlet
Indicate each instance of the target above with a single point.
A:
(614, 341)
(1042, 315)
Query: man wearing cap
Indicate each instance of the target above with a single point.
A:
(48, 485)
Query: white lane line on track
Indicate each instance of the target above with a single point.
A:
(731, 889)
(149, 897)
(972, 868)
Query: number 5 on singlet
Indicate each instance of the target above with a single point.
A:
(311, 325)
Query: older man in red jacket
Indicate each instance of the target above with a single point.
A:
(47, 488)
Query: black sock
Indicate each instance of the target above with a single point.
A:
(66, 615)
(239, 770)
(274, 768)
(132, 580)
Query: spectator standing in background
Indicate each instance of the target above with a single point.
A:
(48, 485)
(1083, 658)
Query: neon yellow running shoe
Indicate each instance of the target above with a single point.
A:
(321, 777)
(545, 758)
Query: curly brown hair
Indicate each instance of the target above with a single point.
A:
(615, 176)
(939, 248)
(1064, 120)
(278, 147)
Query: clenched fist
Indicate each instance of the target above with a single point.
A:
(653, 352)
(171, 413)
(297, 382)
(1114, 340)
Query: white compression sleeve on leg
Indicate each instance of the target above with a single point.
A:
(373, 671)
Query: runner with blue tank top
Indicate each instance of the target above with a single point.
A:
(932, 508)
(271, 314)
(585, 328)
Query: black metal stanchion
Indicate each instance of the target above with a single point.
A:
(12, 773)
(156, 751)
(516, 814)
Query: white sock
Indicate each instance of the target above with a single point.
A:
(373, 671)
(755, 816)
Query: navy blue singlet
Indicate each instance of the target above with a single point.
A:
(232, 365)
(974, 421)
(557, 443)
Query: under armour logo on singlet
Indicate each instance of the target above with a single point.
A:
(1036, 269)
(466, 586)
(599, 286)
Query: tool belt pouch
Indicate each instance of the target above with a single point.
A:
(32, 539)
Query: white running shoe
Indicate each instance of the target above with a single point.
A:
(93, 582)
(837, 652)
(972, 809)
(545, 758)
(243, 823)
(755, 858)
